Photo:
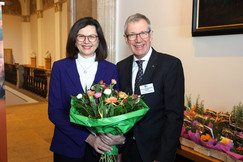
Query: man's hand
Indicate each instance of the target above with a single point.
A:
(98, 144)
(110, 139)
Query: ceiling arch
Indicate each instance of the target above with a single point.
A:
(11, 7)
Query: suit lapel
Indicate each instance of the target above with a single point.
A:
(152, 64)
(72, 73)
(129, 69)
(100, 70)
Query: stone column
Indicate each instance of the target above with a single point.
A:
(80, 8)
(40, 53)
(26, 39)
(71, 13)
(58, 33)
(106, 15)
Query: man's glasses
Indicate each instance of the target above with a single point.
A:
(143, 35)
(82, 38)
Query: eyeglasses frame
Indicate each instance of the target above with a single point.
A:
(87, 36)
(148, 32)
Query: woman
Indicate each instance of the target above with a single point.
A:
(83, 66)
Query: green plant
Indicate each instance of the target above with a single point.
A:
(189, 101)
(199, 106)
(237, 113)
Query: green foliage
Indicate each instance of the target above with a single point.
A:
(189, 101)
(193, 129)
(217, 130)
(199, 106)
(236, 151)
(238, 113)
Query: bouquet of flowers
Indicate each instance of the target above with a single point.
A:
(103, 109)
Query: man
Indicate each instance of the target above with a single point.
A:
(156, 136)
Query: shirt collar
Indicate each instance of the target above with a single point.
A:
(146, 57)
(82, 59)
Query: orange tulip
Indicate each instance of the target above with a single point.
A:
(111, 100)
(91, 93)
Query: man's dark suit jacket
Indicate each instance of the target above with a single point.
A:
(157, 134)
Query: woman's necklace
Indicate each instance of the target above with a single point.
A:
(85, 69)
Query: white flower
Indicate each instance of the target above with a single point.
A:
(107, 91)
(79, 96)
(138, 99)
(92, 88)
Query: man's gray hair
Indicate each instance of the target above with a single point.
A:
(134, 18)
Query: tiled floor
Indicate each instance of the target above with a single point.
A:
(29, 132)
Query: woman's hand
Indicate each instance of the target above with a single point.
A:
(110, 139)
(98, 144)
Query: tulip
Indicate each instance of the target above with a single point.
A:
(91, 93)
(98, 95)
(107, 91)
(113, 81)
(122, 94)
(111, 99)
(125, 100)
(134, 96)
(103, 85)
(79, 96)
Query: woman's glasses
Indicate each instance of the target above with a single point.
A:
(82, 38)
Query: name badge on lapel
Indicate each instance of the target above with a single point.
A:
(147, 88)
